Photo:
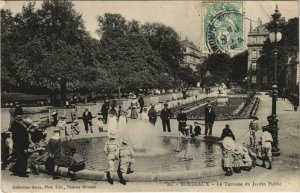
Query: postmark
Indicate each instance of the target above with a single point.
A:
(223, 26)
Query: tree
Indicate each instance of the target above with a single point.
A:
(239, 64)
(51, 42)
(127, 54)
(166, 41)
(219, 65)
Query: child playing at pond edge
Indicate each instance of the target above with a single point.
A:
(54, 150)
(247, 161)
(75, 128)
(77, 163)
(111, 149)
(126, 160)
(227, 155)
(100, 123)
(237, 163)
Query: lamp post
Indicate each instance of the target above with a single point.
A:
(274, 28)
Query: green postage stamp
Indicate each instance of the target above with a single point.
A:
(223, 25)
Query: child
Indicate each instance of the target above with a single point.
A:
(39, 157)
(266, 140)
(247, 161)
(111, 149)
(54, 150)
(126, 160)
(100, 124)
(77, 163)
(144, 115)
(62, 124)
(227, 155)
(6, 149)
(75, 128)
(253, 127)
(237, 159)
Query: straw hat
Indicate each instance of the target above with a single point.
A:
(125, 141)
(237, 150)
(245, 150)
(228, 143)
(28, 121)
(19, 117)
(112, 135)
(54, 113)
(56, 129)
(255, 118)
(76, 121)
(209, 105)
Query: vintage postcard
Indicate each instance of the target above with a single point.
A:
(150, 96)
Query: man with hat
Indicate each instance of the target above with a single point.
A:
(18, 109)
(266, 145)
(111, 149)
(253, 127)
(142, 103)
(165, 116)
(20, 140)
(181, 118)
(210, 117)
(126, 154)
(87, 120)
(152, 114)
(104, 110)
(62, 124)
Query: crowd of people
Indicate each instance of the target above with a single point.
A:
(24, 145)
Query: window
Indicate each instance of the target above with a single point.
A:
(254, 54)
(253, 40)
(265, 79)
(254, 66)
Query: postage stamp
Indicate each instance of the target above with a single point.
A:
(223, 25)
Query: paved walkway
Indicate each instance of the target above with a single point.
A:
(283, 177)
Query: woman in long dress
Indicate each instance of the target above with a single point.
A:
(112, 120)
(133, 107)
(122, 124)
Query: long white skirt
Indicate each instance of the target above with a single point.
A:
(112, 124)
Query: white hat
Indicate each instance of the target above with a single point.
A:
(28, 121)
(113, 135)
(228, 143)
(237, 149)
(54, 113)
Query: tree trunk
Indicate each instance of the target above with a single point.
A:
(63, 89)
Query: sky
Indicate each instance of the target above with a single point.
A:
(183, 16)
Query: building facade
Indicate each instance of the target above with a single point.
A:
(192, 56)
(256, 38)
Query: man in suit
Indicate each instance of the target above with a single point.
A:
(104, 110)
(20, 139)
(165, 116)
(181, 118)
(210, 117)
(87, 120)
(142, 103)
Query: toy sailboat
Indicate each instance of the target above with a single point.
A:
(186, 154)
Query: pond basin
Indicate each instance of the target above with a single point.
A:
(205, 154)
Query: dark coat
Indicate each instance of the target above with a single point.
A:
(19, 135)
(141, 101)
(209, 116)
(152, 114)
(18, 111)
(105, 108)
(88, 117)
(227, 133)
(165, 114)
(181, 117)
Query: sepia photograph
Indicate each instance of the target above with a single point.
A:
(150, 96)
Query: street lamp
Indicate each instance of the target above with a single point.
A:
(274, 28)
